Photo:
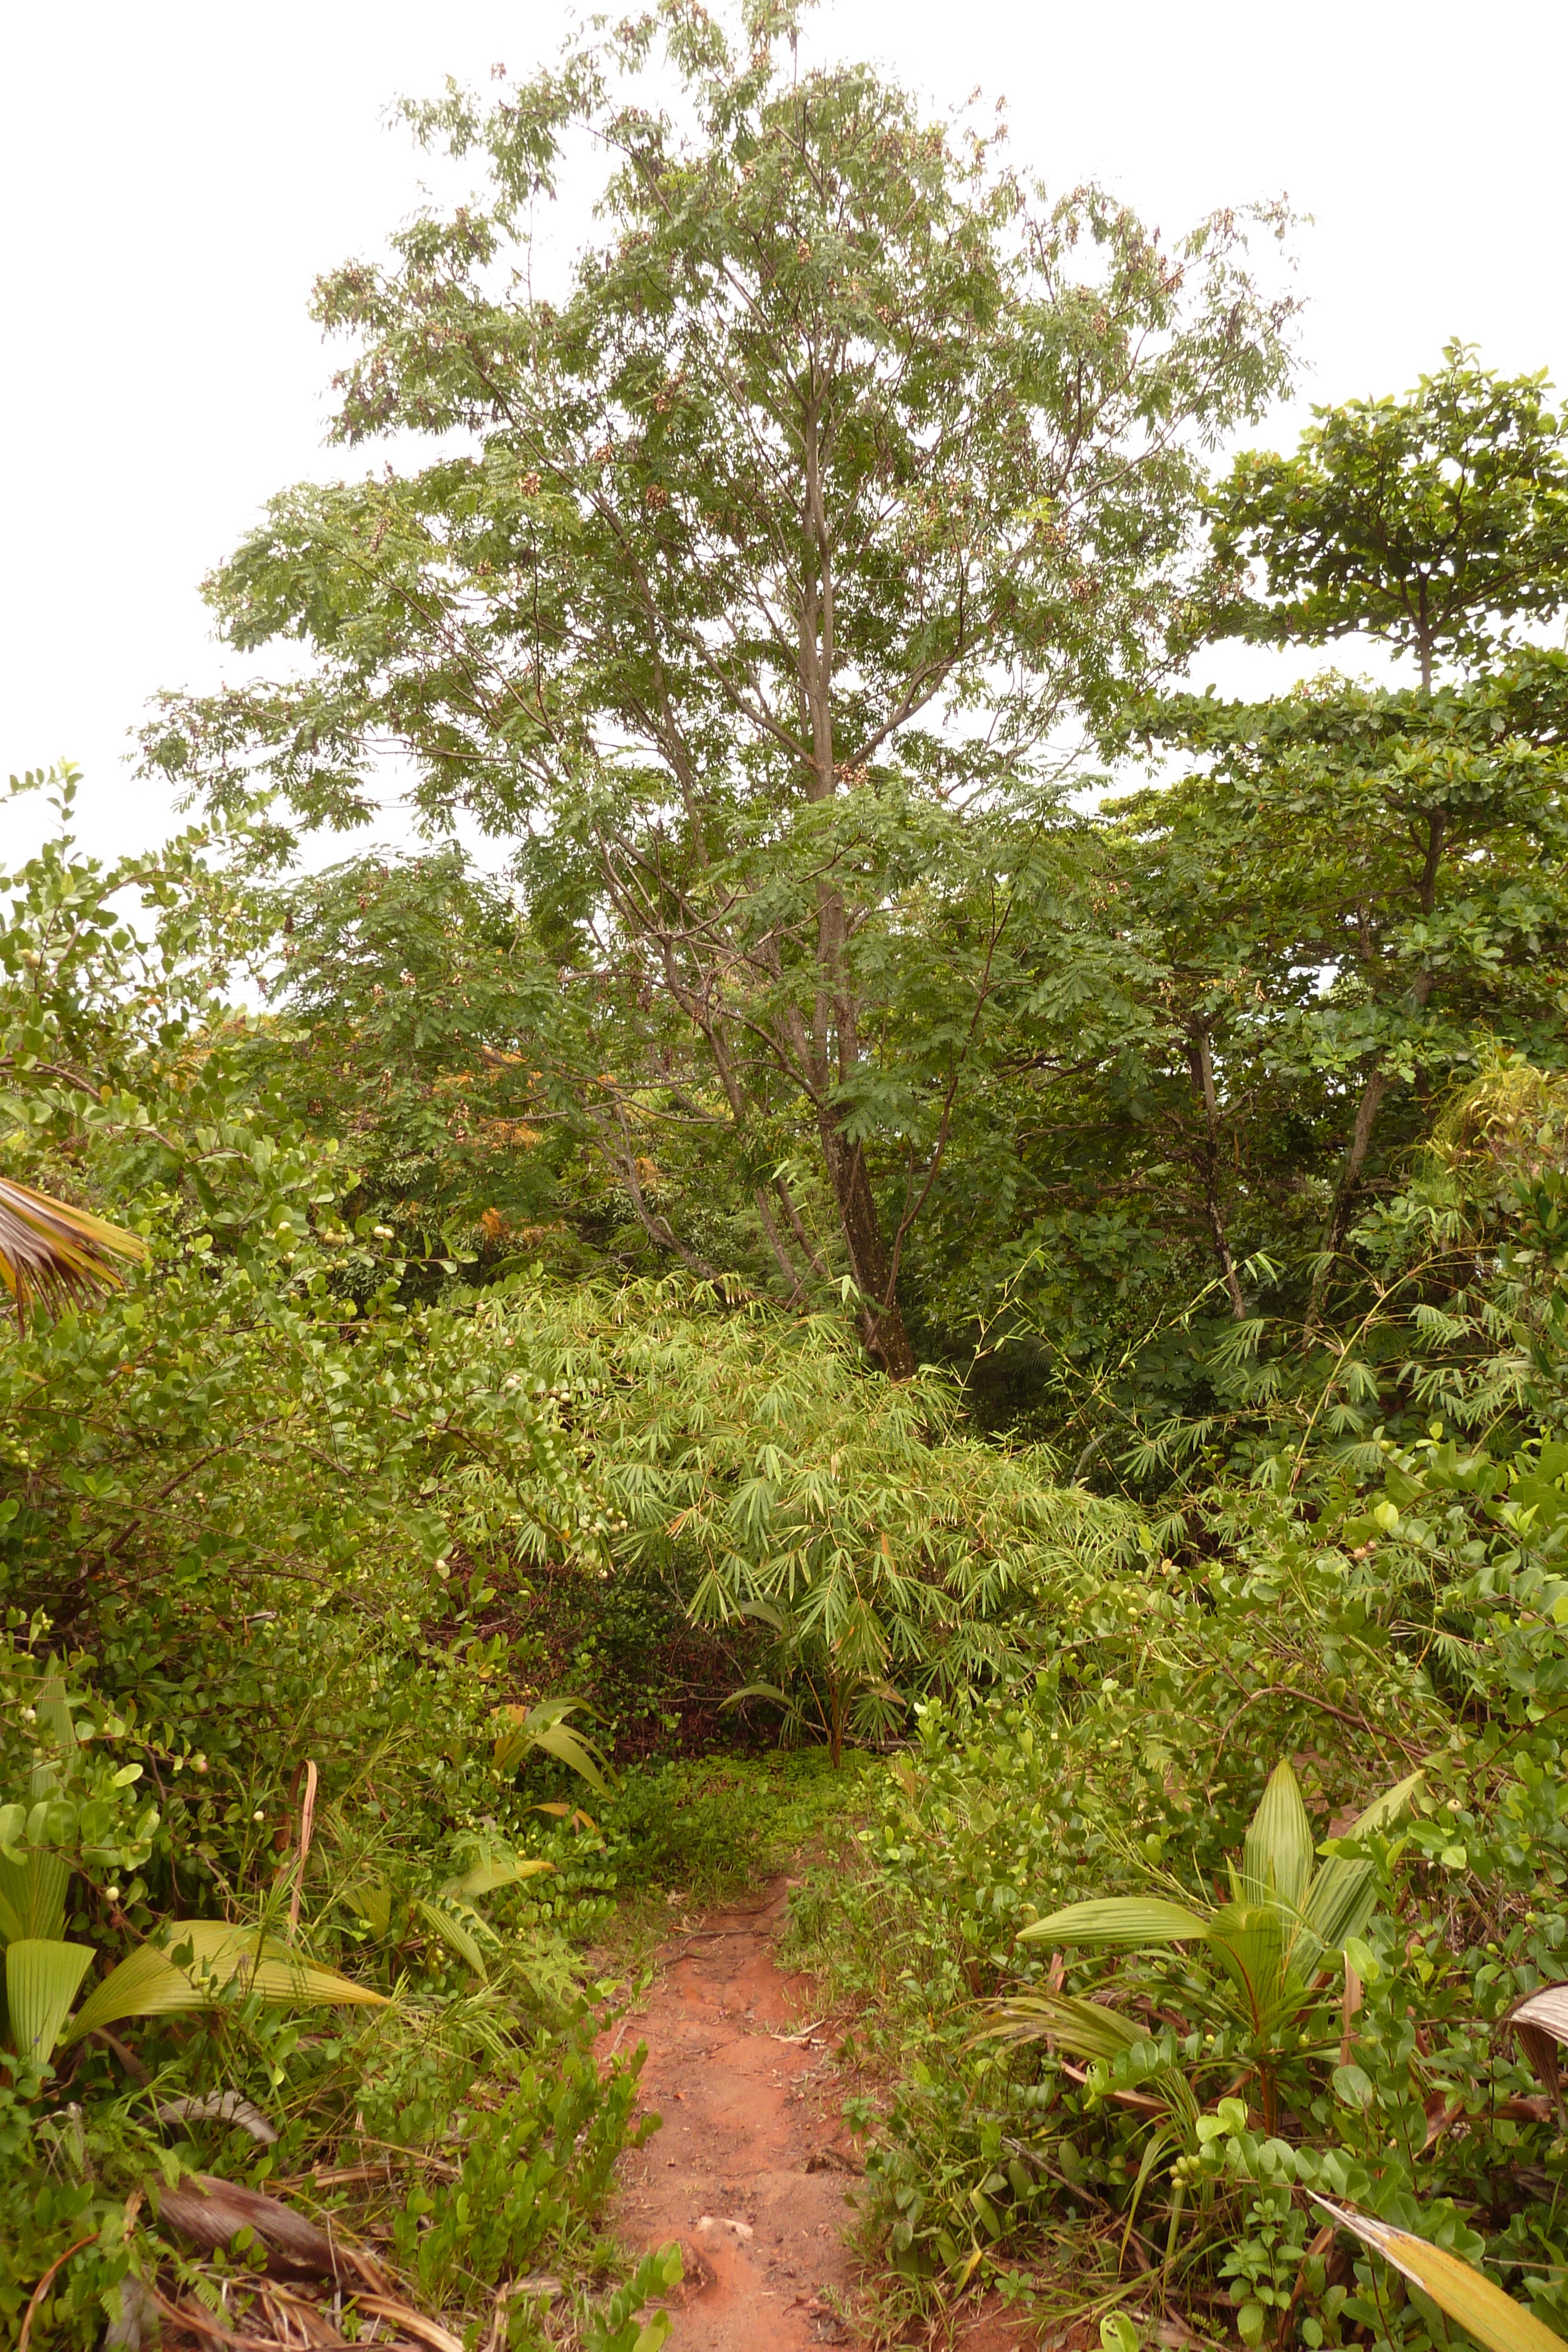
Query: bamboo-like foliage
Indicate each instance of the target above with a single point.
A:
(752, 1461)
(55, 1255)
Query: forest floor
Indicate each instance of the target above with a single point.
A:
(754, 2169)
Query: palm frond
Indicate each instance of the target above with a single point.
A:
(54, 1255)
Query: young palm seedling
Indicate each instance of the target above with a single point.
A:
(195, 1964)
(1263, 1955)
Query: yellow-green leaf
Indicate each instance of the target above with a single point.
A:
(500, 1870)
(42, 1979)
(150, 1984)
(1277, 1852)
(1126, 1919)
(33, 1895)
(1456, 2288)
(1341, 1898)
(440, 1921)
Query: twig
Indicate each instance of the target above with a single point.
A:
(1289, 1690)
(307, 1826)
(41, 2290)
(204, 2325)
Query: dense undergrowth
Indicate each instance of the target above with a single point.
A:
(1166, 2169)
(306, 1549)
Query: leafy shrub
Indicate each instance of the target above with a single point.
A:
(534, 2170)
(1399, 2093)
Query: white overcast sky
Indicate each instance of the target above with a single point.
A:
(173, 176)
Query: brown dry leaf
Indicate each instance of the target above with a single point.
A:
(413, 2323)
(198, 2322)
(51, 1252)
(296, 2316)
(208, 2211)
(1456, 2287)
(1539, 2022)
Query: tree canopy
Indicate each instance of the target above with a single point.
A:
(1432, 522)
(752, 568)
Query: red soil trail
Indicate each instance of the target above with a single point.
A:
(751, 2168)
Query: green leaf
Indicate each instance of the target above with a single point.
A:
(1344, 1896)
(545, 1726)
(149, 1984)
(42, 1979)
(54, 1709)
(559, 1739)
(754, 1690)
(1456, 2288)
(1085, 2029)
(1277, 1852)
(1252, 1944)
(1126, 1919)
(497, 1870)
(372, 1900)
(442, 1922)
(33, 1894)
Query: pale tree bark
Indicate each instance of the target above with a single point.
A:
(1200, 1062)
(1374, 1089)
(836, 1010)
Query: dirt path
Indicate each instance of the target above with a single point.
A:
(751, 2168)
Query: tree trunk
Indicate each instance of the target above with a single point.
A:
(1367, 1112)
(837, 1013)
(1377, 1087)
(882, 1320)
(1200, 1062)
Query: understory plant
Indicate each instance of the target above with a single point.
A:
(1282, 2025)
(1270, 1947)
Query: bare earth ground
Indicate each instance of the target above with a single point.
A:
(752, 2166)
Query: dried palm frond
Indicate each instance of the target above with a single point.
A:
(53, 1252)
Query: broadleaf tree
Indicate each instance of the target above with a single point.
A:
(1435, 522)
(752, 573)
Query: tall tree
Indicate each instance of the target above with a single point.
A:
(1435, 523)
(750, 565)
(1392, 864)
(1432, 522)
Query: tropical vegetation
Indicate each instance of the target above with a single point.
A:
(889, 1232)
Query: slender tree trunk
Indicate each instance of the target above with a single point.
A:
(837, 1013)
(657, 1227)
(882, 1321)
(776, 1244)
(1200, 1061)
(1366, 1110)
(1377, 1087)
